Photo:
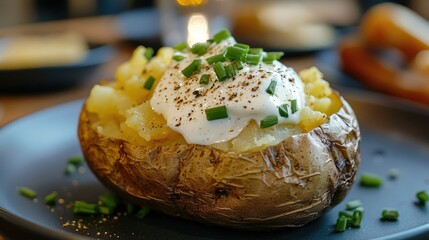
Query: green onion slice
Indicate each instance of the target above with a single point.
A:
(51, 198)
(28, 192)
(149, 83)
(283, 110)
(230, 70)
(75, 160)
(181, 46)
(103, 210)
(238, 65)
(192, 68)
(216, 113)
(356, 219)
(389, 215)
(221, 35)
(178, 57)
(142, 212)
(204, 79)
(353, 205)
(215, 59)
(108, 201)
(293, 106)
(423, 197)
(220, 71)
(341, 224)
(271, 56)
(252, 59)
(370, 180)
(243, 46)
(148, 53)
(81, 207)
(235, 53)
(272, 87)
(200, 48)
(269, 121)
(256, 51)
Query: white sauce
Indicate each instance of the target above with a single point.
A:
(182, 101)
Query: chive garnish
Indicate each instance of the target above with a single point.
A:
(370, 180)
(283, 110)
(293, 106)
(423, 197)
(221, 35)
(70, 168)
(220, 71)
(253, 59)
(243, 46)
(192, 68)
(103, 210)
(345, 214)
(209, 41)
(81, 207)
(149, 83)
(148, 53)
(341, 224)
(230, 70)
(27, 192)
(108, 201)
(238, 65)
(199, 48)
(357, 219)
(51, 198)
(256, 51)
(269, 121)
(235, 53)
(272, 87)
(181, 46)
(178, 57)
(215, 59)
(271, 56)
(130, 208)
(75, 160)
(389, 215)
(204, 79)
(216, 113)
(353, 205)
(142, 212)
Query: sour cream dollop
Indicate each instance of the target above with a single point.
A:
(183, 100)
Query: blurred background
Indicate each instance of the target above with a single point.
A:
(54, 51)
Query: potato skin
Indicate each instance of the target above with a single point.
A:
(286, 185)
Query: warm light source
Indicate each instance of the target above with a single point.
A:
(198, 29)
(186, 3)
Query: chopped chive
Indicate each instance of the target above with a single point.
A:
(253, 59)
(345, 214)
(269, 121)
(360, 209)
(238, 65)
(215, 59)
(80, 207)
(149, 83)
(199, 48)
(393, 173)
(103, 210)
(209, 41)
(204, 79)
(178, 57)
(70, 168)
(108, 201)
(51, 198)
(148, 53)
(271, 56)
(341, 224)
(293, 106)
(192, 68)
(283, 110)
(356, 219)
(255, 51)
(423, 197)
(216, 113)
(243, 46)
(370, 180)
(75, 160)
(27, 192)
(389, 215)
(221, 35)
(220, 71)
(181, 46)
(272, 87)
(130, 208)
(140, 214)
(230, 70)
(353, 205)
(235, 53)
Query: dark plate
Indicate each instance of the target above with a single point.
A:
(56, 77)
(34, 151)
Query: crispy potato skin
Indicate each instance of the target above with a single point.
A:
(286, 185)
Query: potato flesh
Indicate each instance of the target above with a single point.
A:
(125, 102)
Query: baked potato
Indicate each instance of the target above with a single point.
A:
(264, 177)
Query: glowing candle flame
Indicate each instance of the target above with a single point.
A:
(198, 29)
